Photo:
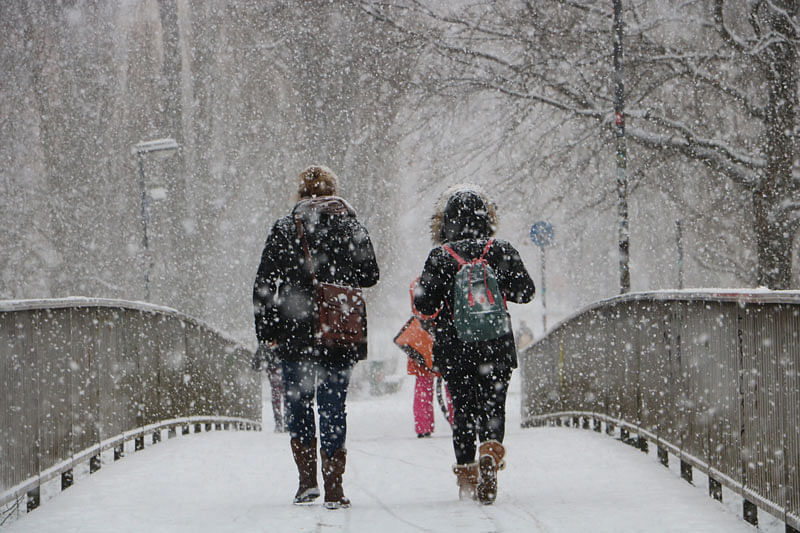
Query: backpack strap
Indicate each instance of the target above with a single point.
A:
(484, 262)
(461, 261)
(486, 248)
(452, 252)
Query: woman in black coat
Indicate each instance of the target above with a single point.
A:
(284, 307)
(477, 373)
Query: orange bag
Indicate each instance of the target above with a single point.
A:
(416, 342)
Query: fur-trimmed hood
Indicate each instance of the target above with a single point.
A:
(463, 211)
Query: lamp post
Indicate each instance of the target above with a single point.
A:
(164, 147)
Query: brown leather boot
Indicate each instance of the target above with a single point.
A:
(332, 470)
(306, 459)
(467, 479)
(490, 460)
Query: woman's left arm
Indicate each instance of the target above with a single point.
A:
(366, 265)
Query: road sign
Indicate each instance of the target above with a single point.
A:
(542, 234)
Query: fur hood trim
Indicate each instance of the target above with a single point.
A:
(437, 220)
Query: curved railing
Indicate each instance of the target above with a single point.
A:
(82, 376)
(711, 377)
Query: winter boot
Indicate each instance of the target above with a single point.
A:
(490, 460)
(332, 470)
(306, 459)
(467, 479)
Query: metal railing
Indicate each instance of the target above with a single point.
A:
(711, 377)
(82, 376)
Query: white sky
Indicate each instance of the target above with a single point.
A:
(557, 480)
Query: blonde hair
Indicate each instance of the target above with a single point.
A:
(317, 180)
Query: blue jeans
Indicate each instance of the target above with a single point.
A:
(301, 379)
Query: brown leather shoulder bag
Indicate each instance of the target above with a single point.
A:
(340, 311)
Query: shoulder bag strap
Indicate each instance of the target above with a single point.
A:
(300, 233)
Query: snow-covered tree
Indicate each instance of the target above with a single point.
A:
(710, 91)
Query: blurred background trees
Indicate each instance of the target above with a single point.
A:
(401, 99)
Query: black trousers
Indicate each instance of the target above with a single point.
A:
(479, 405)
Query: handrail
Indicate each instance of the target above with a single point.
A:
(711, 376)
(79, 376)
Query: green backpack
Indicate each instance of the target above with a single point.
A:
(479, 312)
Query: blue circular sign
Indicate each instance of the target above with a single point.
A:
(542, 234)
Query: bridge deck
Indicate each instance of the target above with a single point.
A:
(557, 480)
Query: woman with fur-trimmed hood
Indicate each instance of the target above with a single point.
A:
(284, 296)
(477, 372)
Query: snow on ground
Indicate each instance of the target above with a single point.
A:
(557, 480)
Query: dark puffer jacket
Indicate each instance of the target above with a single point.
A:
(466, 223)
(283, 293)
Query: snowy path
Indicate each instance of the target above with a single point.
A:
(558, 480)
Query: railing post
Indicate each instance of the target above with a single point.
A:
(33, 499)
(67, 479)
(94, 464)
(714, 489)
(663, 456)
(750, 512)
(686, 471)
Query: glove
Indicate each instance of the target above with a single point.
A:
(261, 358)
(255, 363)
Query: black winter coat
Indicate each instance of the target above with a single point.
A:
(435, 290)
(466, 223)
(283, 292)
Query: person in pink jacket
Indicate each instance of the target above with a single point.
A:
(417, 342)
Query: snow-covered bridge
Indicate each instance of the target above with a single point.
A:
(706, 384)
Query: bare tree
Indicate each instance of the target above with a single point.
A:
(708, 83)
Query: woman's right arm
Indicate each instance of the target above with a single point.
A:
(515, 281)
(272, 271)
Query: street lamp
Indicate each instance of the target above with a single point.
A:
(162, 148)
